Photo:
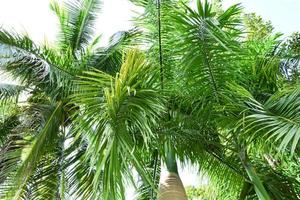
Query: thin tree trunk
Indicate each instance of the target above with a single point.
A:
(160, 43)
(171, 187)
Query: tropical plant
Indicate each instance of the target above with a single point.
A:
(292, 44)
(184, 86)
(256, 27)
(40, 157)
(198, 59)
(204, 192)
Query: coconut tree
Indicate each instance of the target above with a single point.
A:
(37, 146)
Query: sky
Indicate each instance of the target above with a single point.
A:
(284, 14)
(35, 18)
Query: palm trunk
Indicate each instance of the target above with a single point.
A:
(171, 187)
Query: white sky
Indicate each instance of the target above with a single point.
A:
(284, 14)
(35, 18)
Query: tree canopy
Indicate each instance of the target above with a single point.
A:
(201, 85)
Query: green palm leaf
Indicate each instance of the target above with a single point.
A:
(277, 118)
(9, 91)
(23, 60)
(109, 59)
(42, 144)
(212, 61)
(77, 19)
(119, 110)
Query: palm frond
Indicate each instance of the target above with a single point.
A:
(212, 61)
(10, 91)
(279, 185)
(264, 75)
(17, 54)
(118, 110)
(77, 19)
(29, 64)
(10, 144)
(109, 59)
(146, 190)
(42, 144)
(156, 24)
(7, 125)
(13, 39)
(79, 174)
(276, 119)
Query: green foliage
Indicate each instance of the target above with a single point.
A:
(77, 21)
(275, 119)
(204, 192)
(292, 45)
(123, 109)
(256, 27)
(95, 115)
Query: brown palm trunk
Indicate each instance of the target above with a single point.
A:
(171, 188)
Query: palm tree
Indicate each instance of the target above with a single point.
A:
(199, 52)
(175, 31)
(39, 151)
(118, 121)
(197, 92)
